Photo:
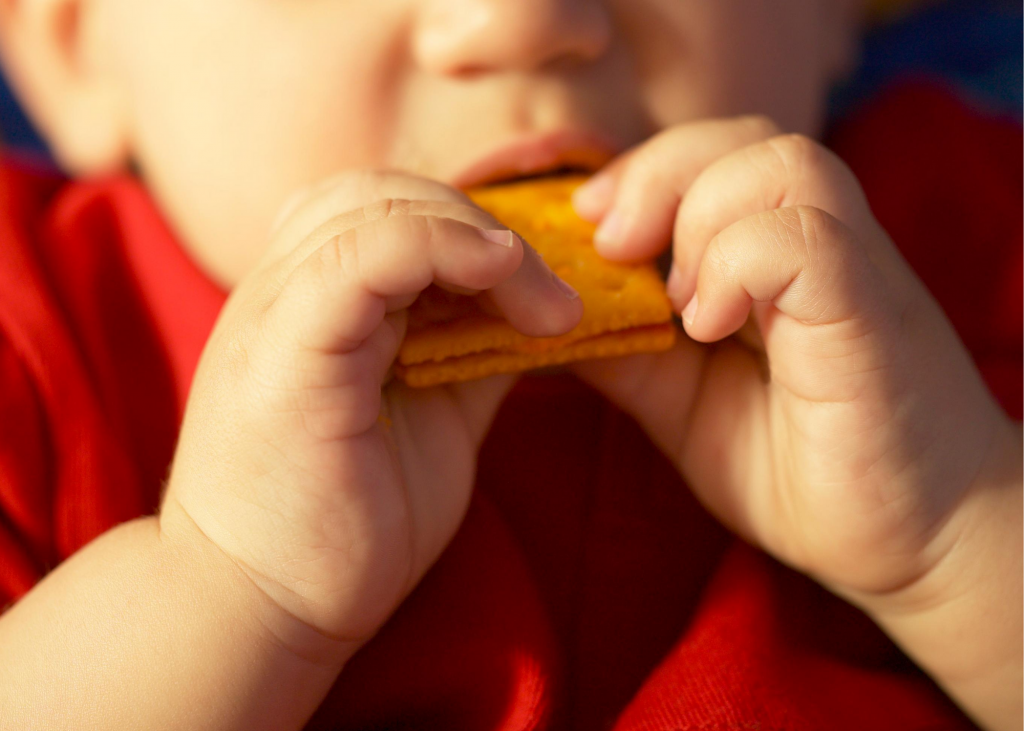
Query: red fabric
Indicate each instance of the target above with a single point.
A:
(586, 589)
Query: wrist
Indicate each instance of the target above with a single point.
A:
(960, 620)
(164, 611)
(186, 546)
(972, 538)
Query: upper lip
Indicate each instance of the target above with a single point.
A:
(538, 154)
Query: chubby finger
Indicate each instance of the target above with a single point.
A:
(341, 224)
(526, 299)
(656, 389)
(479, 401)
(337, 295)
(641, 195)
(535, 301)
(801, 262)
(348, 191)
(780, 172)
(594, 198)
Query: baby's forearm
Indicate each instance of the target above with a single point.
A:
(143, 631)
(962, 622)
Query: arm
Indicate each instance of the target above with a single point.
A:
(148, 628)
(962, 621)
(295, 519)
(845, 428)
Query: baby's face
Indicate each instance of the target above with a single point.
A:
(232, 105)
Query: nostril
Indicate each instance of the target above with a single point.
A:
(469, 73)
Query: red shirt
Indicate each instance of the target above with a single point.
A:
(586, 588)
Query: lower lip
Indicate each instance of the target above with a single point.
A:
(535, 157)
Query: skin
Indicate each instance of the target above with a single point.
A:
(301, 519)
(831, 431)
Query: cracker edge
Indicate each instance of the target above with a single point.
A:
(647, 339)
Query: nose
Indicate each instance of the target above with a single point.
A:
(464, 37)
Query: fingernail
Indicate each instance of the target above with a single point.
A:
(592, 198)
(502, 237)
(609, 233)
(690, 310)
(564, 288)
(674, 285)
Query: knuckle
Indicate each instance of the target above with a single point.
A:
(761, 126)
(815, 235)
(336, 260)
(813, 224)
(332, 255)
(387, 208)
(722, 260)
(377, 210)
(427, 231)
(798, 154)
(831, 265)
(802, 158)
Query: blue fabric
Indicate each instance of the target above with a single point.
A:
(15, 129)
(976, 45)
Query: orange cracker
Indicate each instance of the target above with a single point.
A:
(650, 339)
(451, 338)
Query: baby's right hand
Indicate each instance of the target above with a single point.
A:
(331, 489)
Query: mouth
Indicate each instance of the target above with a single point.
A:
(565, 152)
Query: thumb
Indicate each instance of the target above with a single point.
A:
(657, 389)
(478, 402)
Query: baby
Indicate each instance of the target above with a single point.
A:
(309, 158)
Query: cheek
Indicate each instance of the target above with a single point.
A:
(236, 104)
(729, 57)
(260, 80)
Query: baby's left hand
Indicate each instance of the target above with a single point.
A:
(845, 429)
